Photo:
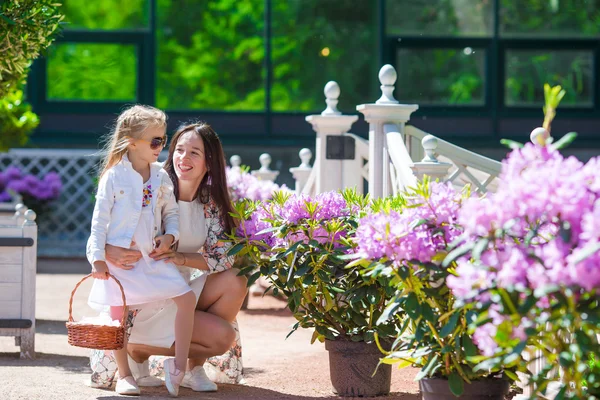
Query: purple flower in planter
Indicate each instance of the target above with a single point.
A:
(5, 197)
(30, 187)
(12, 173)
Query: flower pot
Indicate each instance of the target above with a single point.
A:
(485, 389)
(351, 367)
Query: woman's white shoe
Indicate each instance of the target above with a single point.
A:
(197, 380)
(127, 386)
(173, 377)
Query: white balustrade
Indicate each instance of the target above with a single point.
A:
(264, 172)
(236, 162)
(302, 172)
(430, 165)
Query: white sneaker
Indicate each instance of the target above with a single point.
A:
(173, 377)
(141, 373)
(197, 380)
(127, 386)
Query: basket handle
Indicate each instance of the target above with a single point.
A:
(81, 281)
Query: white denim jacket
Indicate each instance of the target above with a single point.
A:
(119, 206)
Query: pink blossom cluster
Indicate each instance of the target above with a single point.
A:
(552, 201)
(417, 232)
(244, 185)
(543, 228)
(294, 214)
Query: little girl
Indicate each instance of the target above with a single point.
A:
(134, 199)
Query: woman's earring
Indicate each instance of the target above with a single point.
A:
(209, 180)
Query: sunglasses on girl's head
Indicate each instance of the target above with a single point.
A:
(157, 142)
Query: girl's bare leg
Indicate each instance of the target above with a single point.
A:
(116, 313)
(184, 326)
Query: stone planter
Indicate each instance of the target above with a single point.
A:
(351, 367)
(485, 389)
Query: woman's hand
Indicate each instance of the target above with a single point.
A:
(162, 244)
(121, 257)
(171, 256)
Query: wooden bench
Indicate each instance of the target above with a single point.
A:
(18, 259)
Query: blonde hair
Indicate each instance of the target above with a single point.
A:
(131, 123)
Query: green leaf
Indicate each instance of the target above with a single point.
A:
(457, 386)
(450, 325)
(235, 249)
(456, 253)
(511, 144)
(253, 278)
(511, 375)
(427, 369)
(565, 141)
(587, 251)
(470, 348)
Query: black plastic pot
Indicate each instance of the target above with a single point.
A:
(485, 389)
(351, 367)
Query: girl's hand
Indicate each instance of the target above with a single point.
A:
(163, 244)
(121, 257)
(170, 256)
(100, 270)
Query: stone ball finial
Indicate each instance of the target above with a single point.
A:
(387, 77)
(430, 144)
(305, 156)
(30, 216)
(539, 136)
(332, 93)
(20, 209)
(235, 161)
(332, 90)
(265, 161)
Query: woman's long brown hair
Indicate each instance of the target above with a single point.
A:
(214, 184)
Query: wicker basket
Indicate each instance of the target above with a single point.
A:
(101, 337)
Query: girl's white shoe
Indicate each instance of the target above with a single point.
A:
(141, 373)
(127, 386)
(197, 380)
(173, 377)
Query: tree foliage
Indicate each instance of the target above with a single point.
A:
(211, 53)
(27, 27)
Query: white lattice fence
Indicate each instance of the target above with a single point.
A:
(64, 230)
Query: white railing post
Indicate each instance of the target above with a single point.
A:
(235, 161)
(330, 123)
(302, 172)
(264, 172)
(385, 111)
(27, 340)
(430, 165)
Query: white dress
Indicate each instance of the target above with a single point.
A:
(155, 325)
(148, 281)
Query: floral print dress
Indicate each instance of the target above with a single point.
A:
(226, 368)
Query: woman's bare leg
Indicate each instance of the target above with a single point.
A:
(222, 296)
(211, 336)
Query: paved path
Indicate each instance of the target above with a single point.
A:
(275, 368)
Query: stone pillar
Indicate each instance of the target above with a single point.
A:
(383, 112)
